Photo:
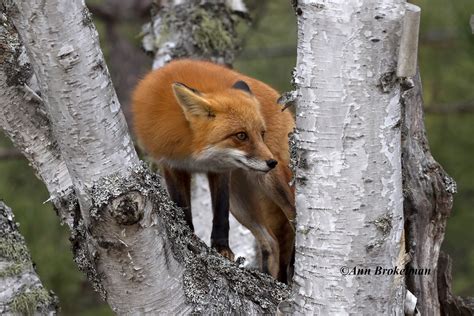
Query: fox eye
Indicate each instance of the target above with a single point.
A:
(241, 136)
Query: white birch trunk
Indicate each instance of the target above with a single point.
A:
(127, 237)
(23, 115)
(349, 189)
(85, 115)
(24, 119)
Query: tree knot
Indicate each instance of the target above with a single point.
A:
(127, 209)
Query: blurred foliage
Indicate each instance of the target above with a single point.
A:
(269, 53)
(269, 47)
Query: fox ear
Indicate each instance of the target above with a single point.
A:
(242, 85)
(191, 101)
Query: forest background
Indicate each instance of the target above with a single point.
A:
(268, 53)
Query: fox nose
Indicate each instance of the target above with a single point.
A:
(272, 163)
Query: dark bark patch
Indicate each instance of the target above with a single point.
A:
(83, 257)
(18, 71)
(127, 209)
(384, 224)
(87, 17)
(387, 81)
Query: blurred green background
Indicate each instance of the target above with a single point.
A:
(447, 68)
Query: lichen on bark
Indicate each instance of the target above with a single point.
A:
(18, 70)
(209, 279)
(21, 291)
(32, 301)
(204, 29)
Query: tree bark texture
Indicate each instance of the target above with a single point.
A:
(428, 200)
(21, 291)
(194, 28)
(128, 238)
(23, 116)
(120, 48)
(89, 126)
(349, 181)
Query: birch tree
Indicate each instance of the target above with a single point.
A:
(349, 184)
(60, 109)
(351, 213)
(128, 238)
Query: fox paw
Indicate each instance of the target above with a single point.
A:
(225, 251)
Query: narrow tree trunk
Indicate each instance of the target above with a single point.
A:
(21, 291)
(428, 192)
(349, 181)
(25, 120)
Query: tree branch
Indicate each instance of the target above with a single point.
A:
(450, 303)
(21, 291)
(428, 192)
(206, 29)
(23, 116)
(86, 118)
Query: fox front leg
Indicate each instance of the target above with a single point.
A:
(219, 186)
(178, 183)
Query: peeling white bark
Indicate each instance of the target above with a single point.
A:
(349, 196)
(94, 142)
(24, 119)
(85, 114)
(23, 116)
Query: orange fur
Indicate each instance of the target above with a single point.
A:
(263, 202)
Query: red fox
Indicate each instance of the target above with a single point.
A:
(195, 116)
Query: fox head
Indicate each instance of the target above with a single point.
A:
(228, 129)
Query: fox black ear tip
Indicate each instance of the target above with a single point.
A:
(181, 85)
(242, 85)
